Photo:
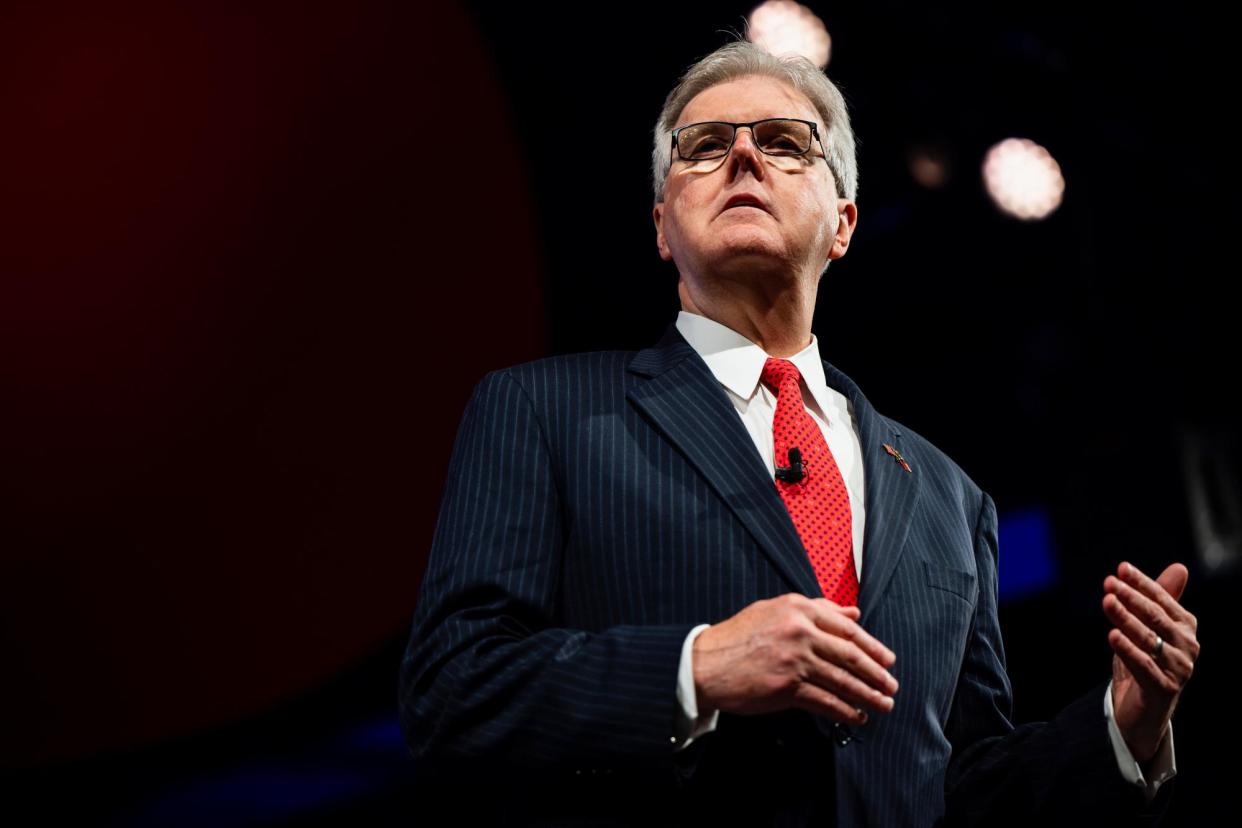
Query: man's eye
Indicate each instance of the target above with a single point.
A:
(781, 144)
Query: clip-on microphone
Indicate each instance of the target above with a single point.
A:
(795, 471)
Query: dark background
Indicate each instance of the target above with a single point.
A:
(254, 260)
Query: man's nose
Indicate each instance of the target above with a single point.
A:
(745, 151)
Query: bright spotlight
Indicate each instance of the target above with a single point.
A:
(783, 26)
(1023, 179)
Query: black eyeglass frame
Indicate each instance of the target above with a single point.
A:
(814, 135)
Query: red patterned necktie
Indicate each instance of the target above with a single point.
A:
(818, 503)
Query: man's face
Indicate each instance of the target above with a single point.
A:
(796, 230)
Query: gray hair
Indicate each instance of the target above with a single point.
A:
(741, 59)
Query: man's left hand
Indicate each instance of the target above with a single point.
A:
(1148, 678)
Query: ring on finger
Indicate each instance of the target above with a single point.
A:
(1159, 648)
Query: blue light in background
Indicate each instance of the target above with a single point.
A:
(1027, 562)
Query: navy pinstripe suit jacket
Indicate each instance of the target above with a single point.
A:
(614, 500)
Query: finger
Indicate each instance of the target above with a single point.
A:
(1171, 659)
(853, 660)
(1153, 590)
(1179, 635)
(850, 610)
(847, 687)
(857, 651)
(1146, 672)
(1173, 579)
(1166, 591)
(1149, 613)
(816, 700)
(830, 620)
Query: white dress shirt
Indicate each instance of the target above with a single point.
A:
(738, 363)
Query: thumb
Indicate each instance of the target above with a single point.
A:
(1173, 579)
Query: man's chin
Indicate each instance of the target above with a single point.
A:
(748, 243)
(749, 260)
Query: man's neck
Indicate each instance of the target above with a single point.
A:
(781, 327)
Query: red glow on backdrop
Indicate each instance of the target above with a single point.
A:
(238, 249)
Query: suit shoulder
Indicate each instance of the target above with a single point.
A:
(588, 361)
(569, 365)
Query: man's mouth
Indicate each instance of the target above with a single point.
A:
(745, 200)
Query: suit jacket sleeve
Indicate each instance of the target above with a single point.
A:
(492, 673)
(1042, 771)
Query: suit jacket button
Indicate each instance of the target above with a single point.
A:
(843, 734)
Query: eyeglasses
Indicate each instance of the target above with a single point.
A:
(778, 137)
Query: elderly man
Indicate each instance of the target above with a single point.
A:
(708, 583)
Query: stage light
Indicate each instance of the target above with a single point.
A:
(783, 27)
(1211, 459)
(929, 166)
(1028, 563)
(1023, 179)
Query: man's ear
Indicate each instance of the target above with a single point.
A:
(847, 221)
(657, 215)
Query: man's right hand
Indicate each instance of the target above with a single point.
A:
(793, 651)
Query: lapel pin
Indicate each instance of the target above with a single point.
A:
(897, 455)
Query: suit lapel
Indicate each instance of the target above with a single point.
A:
(892, 493)
(685, 402)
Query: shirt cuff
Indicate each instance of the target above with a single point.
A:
(690, 725)
(1161, 768)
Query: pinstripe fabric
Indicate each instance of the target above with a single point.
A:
(609, 502)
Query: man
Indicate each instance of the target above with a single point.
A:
(707, 583)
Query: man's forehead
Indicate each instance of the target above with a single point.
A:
(748, 99)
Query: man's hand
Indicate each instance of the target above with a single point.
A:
(1147, 683)
(793, 651)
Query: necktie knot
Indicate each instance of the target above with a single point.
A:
(779, 372)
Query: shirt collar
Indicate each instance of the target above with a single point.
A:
(737, 363)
